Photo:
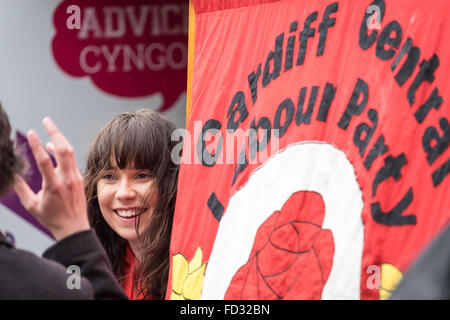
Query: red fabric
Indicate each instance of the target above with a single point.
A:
(314, 79)
(127, 285)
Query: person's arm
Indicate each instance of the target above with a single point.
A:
(61, 207)
(25, 276)
(83, 250)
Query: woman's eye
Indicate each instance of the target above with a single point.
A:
(143, 176)
(108, 176)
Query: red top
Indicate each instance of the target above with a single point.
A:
(127, 285)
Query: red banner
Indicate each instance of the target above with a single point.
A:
(128, 48)
(317, 162)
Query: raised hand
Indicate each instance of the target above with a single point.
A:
(61, 204)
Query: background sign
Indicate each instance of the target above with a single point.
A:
(127, 48)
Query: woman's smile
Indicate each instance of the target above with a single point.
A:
(129, 213)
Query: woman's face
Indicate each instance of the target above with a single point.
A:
(122, 198)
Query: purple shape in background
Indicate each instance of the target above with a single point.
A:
(33, 178)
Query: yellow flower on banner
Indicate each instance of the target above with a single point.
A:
(390, 278)
(187, 277)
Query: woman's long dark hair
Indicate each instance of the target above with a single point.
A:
(143, 139)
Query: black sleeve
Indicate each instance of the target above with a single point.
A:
(429, 277)
(84, 250)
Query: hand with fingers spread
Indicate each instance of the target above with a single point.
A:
(61, 204)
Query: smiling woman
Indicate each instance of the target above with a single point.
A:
(131, 186)
(123, 199)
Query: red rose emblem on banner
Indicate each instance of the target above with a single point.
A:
(291, 256)
(128, 48)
